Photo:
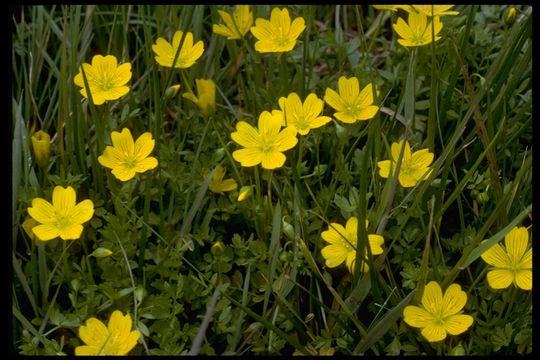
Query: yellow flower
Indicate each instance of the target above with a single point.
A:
(390, 7)
(244, 193)
(115, 339)
(417, 31)
(188, 54)
(41, 143)
(434, 10)
(237, 25)
(278, 34)
(438, 315)
(106, 80)
(63, 217)
(414, 166)
(351, 103)
(343, 244)
(28, 225)
(126, 157)
(266, 144)
(218, 185)
(303, 117)
(513, 264)
(206, 101)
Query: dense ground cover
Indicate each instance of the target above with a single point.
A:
(193, 178)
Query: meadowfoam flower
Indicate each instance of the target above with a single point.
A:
(64, 217)
(414, 166)
(106, 80)
(266, 144)
(513, 264)
(434, 10)
(351, 103)
(125, 157)
(417, 31)
(303, 117)
(114, 339)
(237, 25)
(206, 89)
(218, 185)
(390, 7)
(278, 34)
(188, 54)
(41, 144)
(343, 245)
(439, 315)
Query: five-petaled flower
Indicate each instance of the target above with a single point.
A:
(303, 117)
(266, 144)
(126, 157)
(513, 264)
(278, 34)
(434, 10)
(414, 166)
(206, 89)
(351, 103)
(106, 80)
(185, 57)
(343, 245)
(218, 185)
(417, 31)
(439, 315)
(64, 217)
(237, 25)
(114, 339)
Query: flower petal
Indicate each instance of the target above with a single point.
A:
(516, 243)
(454, 300)
(82, 212)
(500, 278)
(63, 200)
(248, 157)
(375, 244)
(273, 160)
(349, 89)
(72, 232)
(46, 232)
(286, 139)
(333, 99)
(146, 164)
(144, 146)
(457, 324)
(385, 168)
(246, 135)
(335, 255)
(42, 211)
(123, 141)
(434, 332)
(496, 256)
(94, 332)
(111, 158)
(432, 297)
(335, 234)
(417, 317)
(524, 279)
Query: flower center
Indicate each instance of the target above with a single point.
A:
(130, 161)
(63, 222)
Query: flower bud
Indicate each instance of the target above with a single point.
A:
(172, 91)
(28, 225)
(101, 252)
(217, 248)
(288, 229)
(458, 350)
(510, 16)
(245, 192)
(342, 133)
(41, 143)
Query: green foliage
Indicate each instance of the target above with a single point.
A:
(467, 98)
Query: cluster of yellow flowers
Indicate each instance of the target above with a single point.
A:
(276, 132)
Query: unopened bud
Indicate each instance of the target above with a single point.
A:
(217, 248)
(101, 252)
(172, 91)
(245, 192)
(41, 143)
(510, 16)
